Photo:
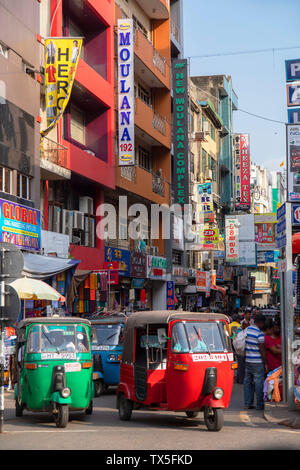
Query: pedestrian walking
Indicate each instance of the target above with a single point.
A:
(255, 364)
(273, 344)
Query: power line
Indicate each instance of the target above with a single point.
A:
(254, 51)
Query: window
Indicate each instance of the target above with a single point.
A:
(138, 25)
(23, 186)
(144, 158)
(75, 32)
(78, 125)
(3, 50)
(213, 132)
(204, 160)
(144, 95)
(6, 178)
(177, 257)
(197, 337)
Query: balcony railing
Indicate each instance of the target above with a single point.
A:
(158, 60)
(53, 152)
(159, 123)
(128, 172)
(175, 31)
(158, 185)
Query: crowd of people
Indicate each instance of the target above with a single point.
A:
(262, 351)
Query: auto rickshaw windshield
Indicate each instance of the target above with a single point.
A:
(57, 338)
(106, 335)
(195, 337)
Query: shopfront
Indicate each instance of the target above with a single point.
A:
(141, 291)
(157, 278)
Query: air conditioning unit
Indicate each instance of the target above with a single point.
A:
(78, 220)
(208, 174)
(206, 129)
(55, 219)
(86, 205)
(89, 231)
(67, 223)
(154, 250)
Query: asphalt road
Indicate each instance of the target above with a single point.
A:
(243, 430)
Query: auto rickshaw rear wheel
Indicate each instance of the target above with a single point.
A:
(89, 410)
(19, 409)
(213, 418)
(61, 417)
(125, 408)
(191, 414)
(99, 387)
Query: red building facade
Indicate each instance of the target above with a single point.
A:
(86, 132)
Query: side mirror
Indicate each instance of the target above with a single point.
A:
(162, 335)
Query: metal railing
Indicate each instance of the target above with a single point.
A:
(175, 31)
(53, 152)
(128, 172)
(159, 123)
(158, 185)
(158, 60)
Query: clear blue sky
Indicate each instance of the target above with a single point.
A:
(223, 26)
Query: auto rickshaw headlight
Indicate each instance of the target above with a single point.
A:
(65, 392)
(218, 393)
(112, 357)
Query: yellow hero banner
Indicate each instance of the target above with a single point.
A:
(61, 60)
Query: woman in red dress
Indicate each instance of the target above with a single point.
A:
(273, 345)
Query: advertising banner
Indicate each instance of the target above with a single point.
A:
(242, 171)
(203, 281)
(180, 132)
(112, 272)
(293, 162)
(126, 91)
(206, 201)
(20, 225)
(231, 240)
(265, 231)
(209, 239)
(122, 257)
(61, 60)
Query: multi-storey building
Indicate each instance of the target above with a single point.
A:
(77, 162)
(218, 90)
(19, 102)
(147, 181)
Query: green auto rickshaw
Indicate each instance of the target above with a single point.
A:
(54, 367)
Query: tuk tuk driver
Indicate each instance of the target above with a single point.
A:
(196, 344)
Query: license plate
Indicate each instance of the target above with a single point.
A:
(95, 375)
(72, 367)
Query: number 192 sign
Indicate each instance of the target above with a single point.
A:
(126, 91)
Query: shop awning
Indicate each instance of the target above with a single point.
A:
(218, 288)
(43, 267)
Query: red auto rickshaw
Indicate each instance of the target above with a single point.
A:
(176, 361)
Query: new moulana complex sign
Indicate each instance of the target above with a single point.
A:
(180, 132)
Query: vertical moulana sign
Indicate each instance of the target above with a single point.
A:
(180, 131)
(126, 91)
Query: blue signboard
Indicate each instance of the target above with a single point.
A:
(120, 256)
(292, 68)
(20, 225)
(295, 214)
(294, 116)
(293, 94)
(170, 295)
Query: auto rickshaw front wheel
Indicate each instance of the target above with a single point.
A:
(61, 416)
(213, 418)
(19, 409)
(125, 408)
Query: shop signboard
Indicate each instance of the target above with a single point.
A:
(20, 225)
(209, 239)
(112, 272)
(180, 275)
(206, 202)
(180, 131)
(137, 283)
(156, 268)
(293, 94)
(292, 68)
(227, 273)
(203, 281)
(138, 262)
(122, 257)
(53, 243)
(281, 227)
(126, 91)
(231, 240)
(242, 171)
(293, 162)
(265, 231)
(170, 295)
(295, 214)
(294, 115)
